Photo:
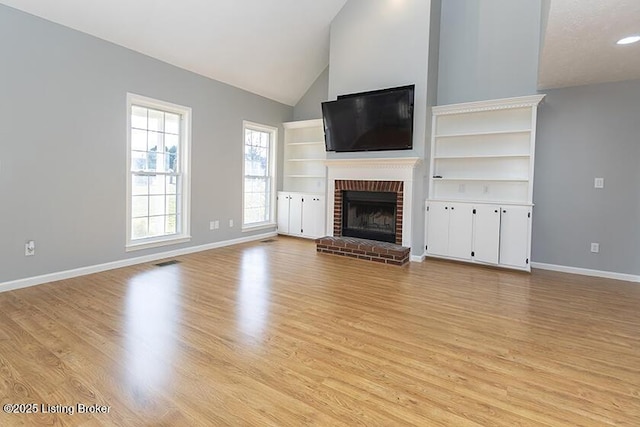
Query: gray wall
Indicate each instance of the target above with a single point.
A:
(488, 49)
(586, 132)
(63, 145)
(378, 45)
(309, 105)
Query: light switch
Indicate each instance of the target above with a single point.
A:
(598, 183)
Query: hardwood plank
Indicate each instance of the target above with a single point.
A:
(276, 334)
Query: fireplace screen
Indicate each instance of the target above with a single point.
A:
(369, 215)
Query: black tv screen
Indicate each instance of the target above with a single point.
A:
(370, 121)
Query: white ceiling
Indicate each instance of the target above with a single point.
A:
(277, 48)
(580, 43)
(274, 48)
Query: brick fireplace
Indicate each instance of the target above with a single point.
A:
(369, 174)
(375, 188)
(380, 177)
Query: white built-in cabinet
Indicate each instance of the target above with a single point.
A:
(301, 204)
(301, 214)
(449, 228)
(515, 236)
(486, 233)
(481, 184)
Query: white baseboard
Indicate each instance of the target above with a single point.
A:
(82, 271)
(572, 270)
(416, 258)
(586, 272)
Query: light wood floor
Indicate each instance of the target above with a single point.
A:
(275, 334)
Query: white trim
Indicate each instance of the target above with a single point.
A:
(417, 258)
(483, 202)
(273, 168)
(259, 227)
(82, 271)
(586, 272)
(494, 104)
(184, 157)
(384, 163)
(561, 269)
(303, 124)
(157, 242)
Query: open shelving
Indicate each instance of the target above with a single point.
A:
(304, 157)
(484, 150)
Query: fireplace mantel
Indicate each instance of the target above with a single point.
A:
(386, 163)
(381, 169)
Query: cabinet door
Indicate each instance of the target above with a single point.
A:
(460, 230)
(486, 233)
(313, 216)
(438, 229)
(283, 212)
(295, 214)
(514, 236)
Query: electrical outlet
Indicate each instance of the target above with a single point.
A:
(230, 223)
(216, 224)
(598, 183)
(595, 248)
(30, 248)
(212, 225)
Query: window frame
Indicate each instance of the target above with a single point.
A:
(184, 168)
(271, 222)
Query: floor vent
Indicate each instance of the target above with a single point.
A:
(268, 241)
(166, 263)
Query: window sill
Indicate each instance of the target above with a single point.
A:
(248, 228)
(156, 243)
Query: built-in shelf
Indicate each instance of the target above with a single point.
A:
(483, 179)
(306, 143)
(480, 201)
(492, 132)
(481, 156)
(302, 203)
(304, 157)
(481, 182)
(488, 144)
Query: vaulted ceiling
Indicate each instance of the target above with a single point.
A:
(274, 48)
(277, 48)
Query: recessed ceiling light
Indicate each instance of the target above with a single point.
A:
(628, 40)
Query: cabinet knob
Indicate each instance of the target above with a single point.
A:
(504, 211)
(496, 211)
(452, 208)
(446, 207)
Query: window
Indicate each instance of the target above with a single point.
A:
(158, 173)
(259, 175)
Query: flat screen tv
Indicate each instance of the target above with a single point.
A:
(370, 121)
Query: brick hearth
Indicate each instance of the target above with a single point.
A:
(369, 250)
